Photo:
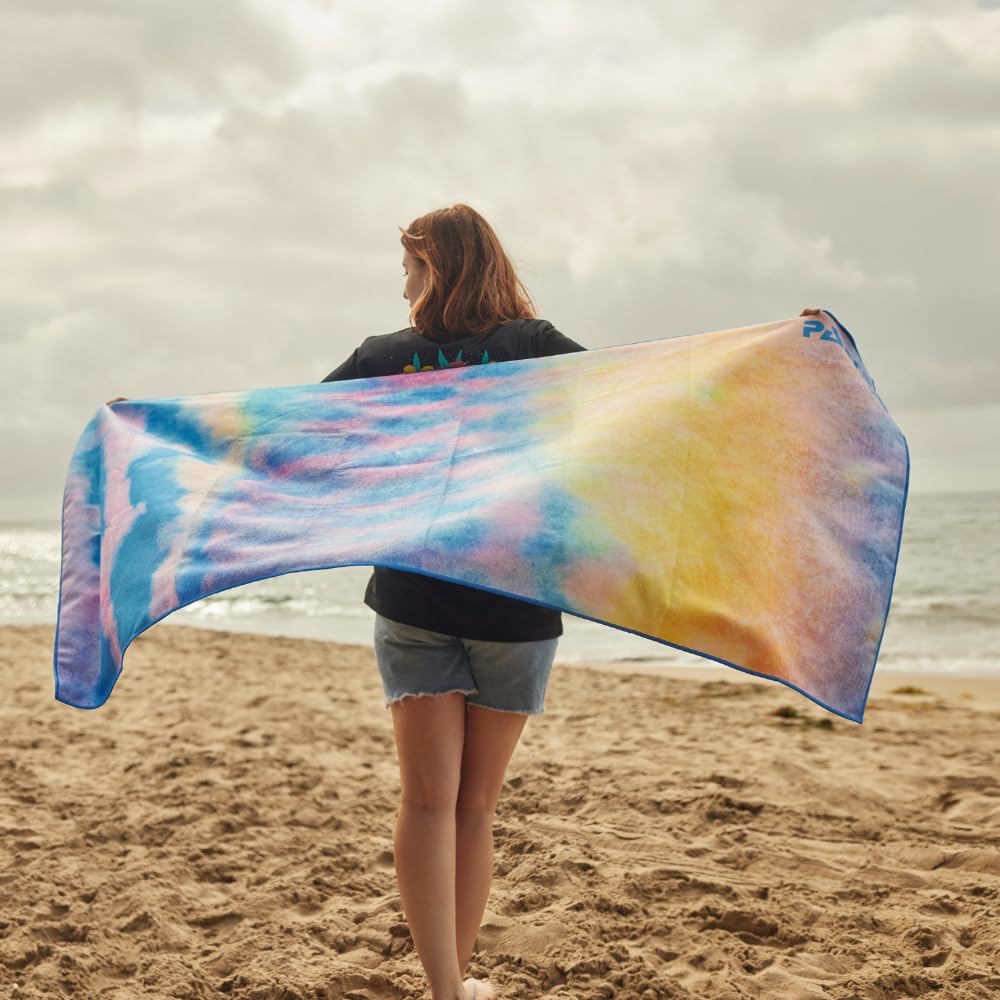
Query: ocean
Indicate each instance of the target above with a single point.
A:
(944, 617)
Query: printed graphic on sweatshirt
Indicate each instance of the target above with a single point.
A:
(416, 365)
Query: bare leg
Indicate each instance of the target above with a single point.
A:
(490, 739)
(430, 734)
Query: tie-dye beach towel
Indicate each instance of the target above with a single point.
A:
(736, 494)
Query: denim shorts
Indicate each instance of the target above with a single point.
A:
(504, 676)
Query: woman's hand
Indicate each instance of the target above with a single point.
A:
(810, 312)
(117, 399)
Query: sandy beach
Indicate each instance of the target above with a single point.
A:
(223, 825)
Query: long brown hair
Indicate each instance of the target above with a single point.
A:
(471, 283)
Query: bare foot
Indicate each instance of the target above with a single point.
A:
(479, 989)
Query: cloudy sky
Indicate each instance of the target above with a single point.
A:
(204, 196)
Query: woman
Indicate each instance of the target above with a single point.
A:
(462, 669)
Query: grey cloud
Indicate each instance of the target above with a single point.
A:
(892, 203)
(414, 103)
(934, 79)
(486, 32)
(55, 55)
(777, 25)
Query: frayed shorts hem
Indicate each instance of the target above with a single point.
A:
(389, 702)
(509, 711)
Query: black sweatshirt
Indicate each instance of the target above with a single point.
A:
(427, 602)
